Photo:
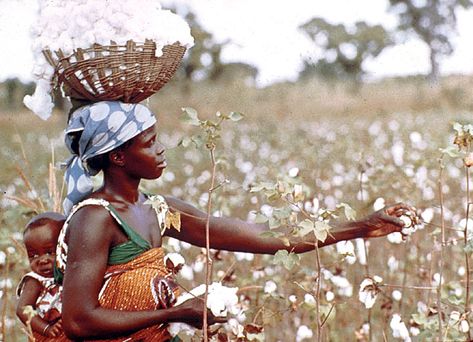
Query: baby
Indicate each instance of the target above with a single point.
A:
(37, 288)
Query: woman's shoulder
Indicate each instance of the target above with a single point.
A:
(89, 214)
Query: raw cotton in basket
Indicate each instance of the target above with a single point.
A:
(71, 24)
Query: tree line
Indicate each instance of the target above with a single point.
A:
(345, 48)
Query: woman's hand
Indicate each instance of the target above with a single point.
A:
(192, 313)
(386, 220)
(54, 330)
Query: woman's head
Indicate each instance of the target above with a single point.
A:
(40, 238)
(93, 134)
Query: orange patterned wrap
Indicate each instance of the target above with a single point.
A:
(128, 287)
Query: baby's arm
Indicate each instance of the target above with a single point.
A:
(29, 294)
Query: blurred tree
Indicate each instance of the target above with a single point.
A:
(13, 91)
(235, 73)
(204, 60)
(345, 49)
(433, 21)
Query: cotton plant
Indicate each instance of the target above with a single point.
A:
(399, 329)
(67, 25)
(369, 289)
(221, 300)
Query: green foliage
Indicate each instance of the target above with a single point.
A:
(345, 49)
(432, 21)
(286, 259)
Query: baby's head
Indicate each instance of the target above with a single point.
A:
(40, 239)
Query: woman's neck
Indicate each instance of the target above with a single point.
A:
(121, 188)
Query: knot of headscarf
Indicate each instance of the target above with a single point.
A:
(103, 126)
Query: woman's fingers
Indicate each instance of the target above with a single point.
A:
(220, 319)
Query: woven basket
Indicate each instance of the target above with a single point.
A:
(129, 73)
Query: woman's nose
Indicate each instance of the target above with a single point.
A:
(160, 149)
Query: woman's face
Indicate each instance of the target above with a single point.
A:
(40, 245)
(145, 158)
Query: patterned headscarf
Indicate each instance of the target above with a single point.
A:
(105, 126)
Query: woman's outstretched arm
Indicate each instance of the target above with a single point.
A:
(90, 236)
(238, 235)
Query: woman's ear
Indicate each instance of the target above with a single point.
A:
(117, 158)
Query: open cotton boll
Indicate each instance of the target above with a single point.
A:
(220, 300)
(183, 328)
(40, 102)
(218, 295)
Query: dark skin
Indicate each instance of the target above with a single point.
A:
(92, 233)
(40, 244)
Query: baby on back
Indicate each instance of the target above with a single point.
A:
(37, 288)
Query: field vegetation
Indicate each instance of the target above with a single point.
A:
(344, 143)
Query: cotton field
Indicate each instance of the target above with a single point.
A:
(400, 286)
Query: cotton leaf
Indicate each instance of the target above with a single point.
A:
(282, 213)
(274, 223)
(350, 213)
(185, 142)
(235, 116)
(451, 151)
(288, 260)
(307, 226)
(191, 116)
(260, 218)
(321, 230)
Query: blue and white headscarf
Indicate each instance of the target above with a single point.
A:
(105, 126)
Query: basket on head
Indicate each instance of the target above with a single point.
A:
(129, 73)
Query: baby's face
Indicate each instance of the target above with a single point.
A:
(41, 247)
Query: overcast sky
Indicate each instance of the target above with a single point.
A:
(262, 32)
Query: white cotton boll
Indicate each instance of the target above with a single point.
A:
(397, 151)
(69, 25)
(198, 266)
(454, 317)
(292, 299)
(174, 244)
(236, 328)
(367, 293)
(220, 299)
(181, 328)
(461, 271)
(344, 286)
(393, 264)
(3, 258)
(464, 326)
(463, 224)
(427, 215)
(304, 332)
(270, 287)
(40, 102)
(329, 296)
(293, 172)
(347, 249)
(437, 279)
(187, 272)
(379, 204)
(174, 259)
(397, 295)
(414, 331)
(361, 251)
(240, 256)
(399, 328)
(395, 237)
(309, 299)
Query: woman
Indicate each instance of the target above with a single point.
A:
(114, 232)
